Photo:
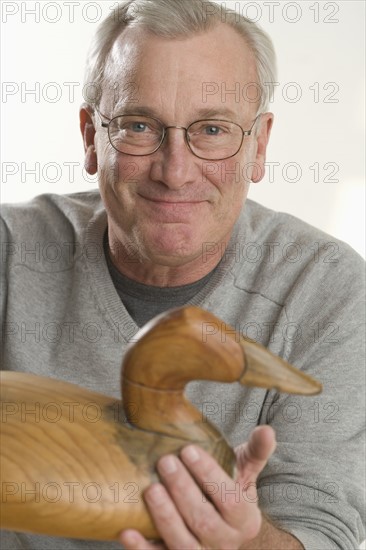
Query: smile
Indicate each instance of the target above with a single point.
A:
(173, 211)
(172, 203)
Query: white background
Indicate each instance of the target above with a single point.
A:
(317, 146)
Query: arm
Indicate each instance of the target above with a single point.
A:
(271, 536)
(224, 514)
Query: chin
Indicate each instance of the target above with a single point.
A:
(178, 240)
(172, 257)
(171, 254)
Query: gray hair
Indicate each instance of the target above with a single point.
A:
(176, 19)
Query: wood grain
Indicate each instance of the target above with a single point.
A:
(75, 463)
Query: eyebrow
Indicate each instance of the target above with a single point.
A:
(217, 112)
(128, 109)
(207, 113)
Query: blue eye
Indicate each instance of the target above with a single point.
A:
(138, 127)
(212, 130)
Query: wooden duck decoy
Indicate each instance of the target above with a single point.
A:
(83, 475)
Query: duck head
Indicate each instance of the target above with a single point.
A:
(187, 344)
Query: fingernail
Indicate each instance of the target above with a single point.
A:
(190, 453)
(167, 465)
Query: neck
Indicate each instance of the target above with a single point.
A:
(164, 272)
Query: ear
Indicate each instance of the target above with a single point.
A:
(88, 133)
(264, 132)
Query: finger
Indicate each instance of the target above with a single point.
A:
(133, 540)
(235, 510)
(253, 455)
(201, 519)
(167, 518)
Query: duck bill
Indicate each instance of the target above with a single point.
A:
(263, 369)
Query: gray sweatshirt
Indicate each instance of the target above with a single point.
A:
(281, 282)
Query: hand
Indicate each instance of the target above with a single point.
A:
(223, 514)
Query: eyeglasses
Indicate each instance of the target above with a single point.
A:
(139, 136)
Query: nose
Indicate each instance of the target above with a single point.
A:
(173, 164)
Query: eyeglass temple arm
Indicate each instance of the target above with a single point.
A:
(249, 132)
(103, 124)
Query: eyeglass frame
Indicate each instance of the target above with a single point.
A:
(245, 133)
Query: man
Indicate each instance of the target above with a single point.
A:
(172, 226)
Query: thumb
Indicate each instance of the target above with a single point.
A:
(252, 456)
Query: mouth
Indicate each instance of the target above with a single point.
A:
(171, 210)
(172, 202)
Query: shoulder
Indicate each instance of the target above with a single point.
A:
(281, 254)
(48, 228)
(50, 215)
(283, 228)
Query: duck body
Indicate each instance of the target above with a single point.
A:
(72, 465)
(75, 463)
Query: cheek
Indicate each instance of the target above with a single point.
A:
(128, 171)
(231, 177)
(116, 171)
(236, 172)
(107, 165)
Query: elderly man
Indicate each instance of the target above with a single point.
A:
(172, 226)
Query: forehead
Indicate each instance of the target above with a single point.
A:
(212, 70)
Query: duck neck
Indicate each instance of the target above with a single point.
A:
(166, 412)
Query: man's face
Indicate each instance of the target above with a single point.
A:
(164, 207)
